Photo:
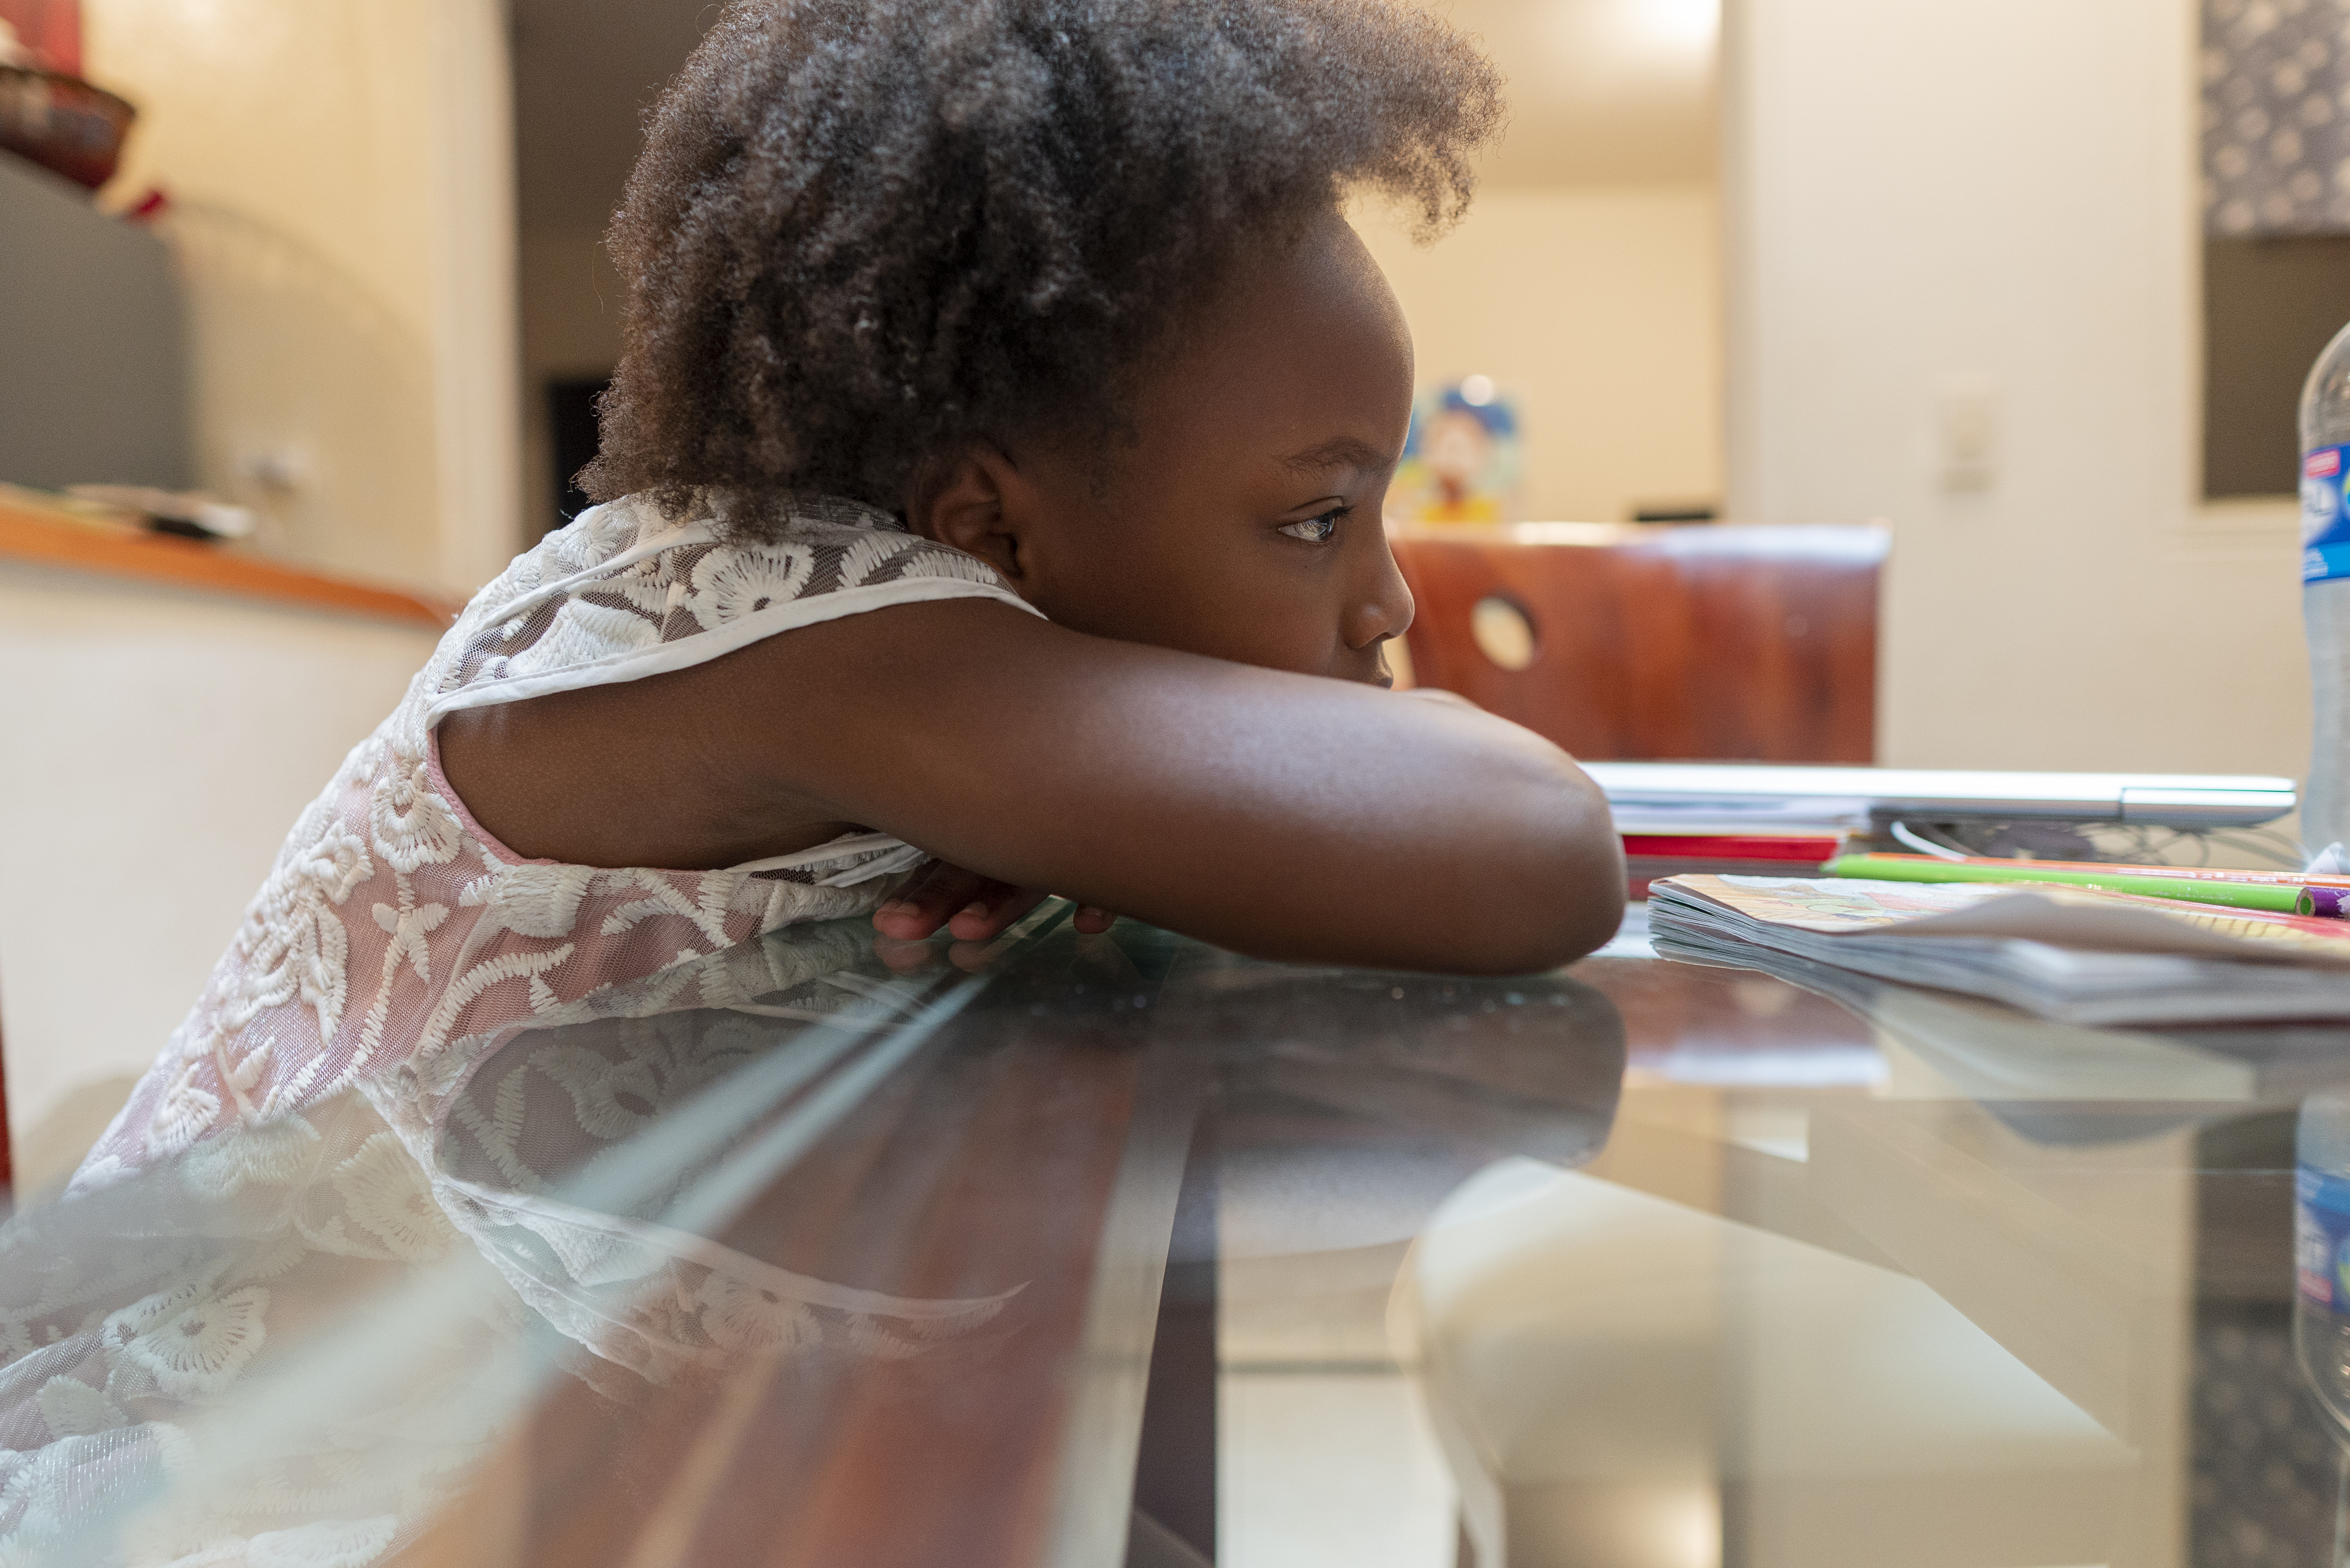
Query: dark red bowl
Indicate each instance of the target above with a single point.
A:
(63, 123)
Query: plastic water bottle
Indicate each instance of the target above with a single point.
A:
(2325, 590)
(2321, 1250)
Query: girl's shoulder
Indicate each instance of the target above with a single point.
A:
(619, 550)
(625, 591)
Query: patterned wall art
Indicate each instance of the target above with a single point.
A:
(2276, 117)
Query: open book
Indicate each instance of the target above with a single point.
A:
(2075, 954)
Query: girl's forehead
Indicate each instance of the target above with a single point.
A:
(1323, 293)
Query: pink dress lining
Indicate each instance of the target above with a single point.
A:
(482, 837)
(398, 942)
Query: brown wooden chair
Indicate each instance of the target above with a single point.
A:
(1625, 642)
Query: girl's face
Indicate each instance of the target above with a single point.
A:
(1243, 521)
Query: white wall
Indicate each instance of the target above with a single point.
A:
(155, 747)
(343, 177)
(1599, 307)
(1999, 196)
(1601, 92)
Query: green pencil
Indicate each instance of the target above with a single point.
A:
(2283, 900)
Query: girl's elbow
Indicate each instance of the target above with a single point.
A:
(1580, 875)
(1573, 891)
(1591, 917)
(1574, 916)
(1550, 909)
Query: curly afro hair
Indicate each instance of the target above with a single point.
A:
(863, 232)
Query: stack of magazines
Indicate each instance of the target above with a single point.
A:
(2077, 955)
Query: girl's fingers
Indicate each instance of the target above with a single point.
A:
(928, 903)
(904, 957)
(997, 906)
(975, 908)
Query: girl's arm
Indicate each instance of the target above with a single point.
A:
(1285, 815)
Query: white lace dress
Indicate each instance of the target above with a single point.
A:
(295, 1344)
(398, 944)
(334, 1136)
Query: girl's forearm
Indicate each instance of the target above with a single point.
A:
(1283, 816)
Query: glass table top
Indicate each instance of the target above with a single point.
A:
(1086, 1250)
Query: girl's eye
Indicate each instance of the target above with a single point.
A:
(1316, 530)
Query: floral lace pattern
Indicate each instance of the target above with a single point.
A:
(184, 1353)
(395, 934)
(687, 595)
(335, 1121)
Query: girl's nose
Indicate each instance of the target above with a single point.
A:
(1381, 606)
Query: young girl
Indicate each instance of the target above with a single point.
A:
(991, 488)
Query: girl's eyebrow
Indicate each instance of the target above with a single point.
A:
(1339, 452)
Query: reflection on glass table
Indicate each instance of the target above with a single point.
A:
(2020, 1294)
(1090, 1251)
(807, 1252)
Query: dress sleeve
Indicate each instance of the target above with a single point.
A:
(685, 597)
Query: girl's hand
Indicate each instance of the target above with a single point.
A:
(972, 907)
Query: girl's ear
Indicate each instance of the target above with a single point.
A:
(977, 501)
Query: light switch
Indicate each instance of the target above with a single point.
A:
(1967, 429)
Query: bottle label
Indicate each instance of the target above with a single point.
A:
(2321, 1238)
(2325, 514)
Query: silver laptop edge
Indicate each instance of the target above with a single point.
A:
(2160, 800)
